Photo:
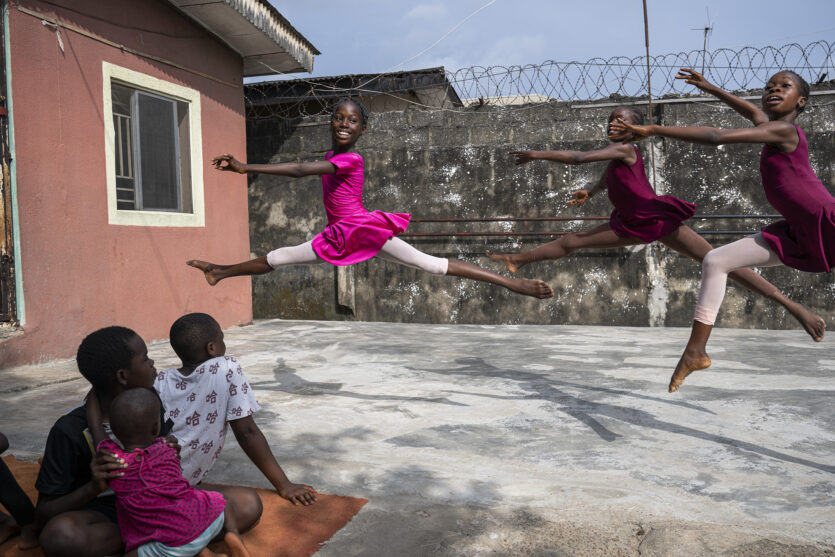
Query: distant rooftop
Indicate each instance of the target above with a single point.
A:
(254, 29)
(404, 83)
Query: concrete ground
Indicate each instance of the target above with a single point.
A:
(526, 440)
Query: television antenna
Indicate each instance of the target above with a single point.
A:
(707, 30)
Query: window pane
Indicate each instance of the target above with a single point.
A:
(158, 158)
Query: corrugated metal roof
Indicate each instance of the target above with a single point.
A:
(265, 40)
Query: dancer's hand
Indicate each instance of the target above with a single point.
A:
(522, 157)
(695, 78)
(621, 130)
(104, 467)
(578, 198)
(298, 493)
(228, 162)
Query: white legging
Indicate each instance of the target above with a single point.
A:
(751, 251)
(394, 249)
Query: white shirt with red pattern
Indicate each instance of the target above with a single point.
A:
(201, 404)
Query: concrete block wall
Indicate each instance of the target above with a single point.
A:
(444, 164)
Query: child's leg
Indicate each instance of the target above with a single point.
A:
(244, 503)
(599, 237)
(398, 251)
(685, 241)
(752, 251)
(81, 534)
(18, 504)
(232, 534)
(302, 254)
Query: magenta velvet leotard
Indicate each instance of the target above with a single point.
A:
(805, 240)
(154, 502)
(639, 212)
(353, 234)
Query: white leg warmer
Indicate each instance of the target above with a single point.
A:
(398, 251)
(302, 254)
(751, 251)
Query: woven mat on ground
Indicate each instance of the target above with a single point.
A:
(285, 530)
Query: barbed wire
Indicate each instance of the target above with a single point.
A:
(466, 89)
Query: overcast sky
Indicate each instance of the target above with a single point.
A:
(372, 36)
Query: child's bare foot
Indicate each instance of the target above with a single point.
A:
(510, 260)
(236, 545)
(28, 537)
(687, 365)
(536, 288)
(209, 270)
(812, 322)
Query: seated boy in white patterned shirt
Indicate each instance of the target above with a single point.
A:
(209, 391)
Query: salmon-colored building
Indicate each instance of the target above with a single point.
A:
(113, 111)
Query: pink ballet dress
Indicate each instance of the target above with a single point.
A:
(353, 234)
(639, 213)
(154, 502)
(805, 240)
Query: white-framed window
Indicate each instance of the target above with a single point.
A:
(153, 150)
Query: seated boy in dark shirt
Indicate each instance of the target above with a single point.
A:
(76, 510)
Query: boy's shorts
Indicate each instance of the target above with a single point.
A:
(195, 546)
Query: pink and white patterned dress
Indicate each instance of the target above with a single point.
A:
(154, 502)
(201, 404)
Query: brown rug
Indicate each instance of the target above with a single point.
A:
(285, 530)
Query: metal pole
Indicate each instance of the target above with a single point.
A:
(649, 95)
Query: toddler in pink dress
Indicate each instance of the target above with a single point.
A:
(159, 513)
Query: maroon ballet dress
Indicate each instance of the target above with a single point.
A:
(639, 213)
(805, 240)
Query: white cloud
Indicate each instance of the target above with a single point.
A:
(431, 11)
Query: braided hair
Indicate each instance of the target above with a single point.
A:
(363, 110)
(102, 353)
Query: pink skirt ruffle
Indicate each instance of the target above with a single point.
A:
(358, 237)
(808, 245)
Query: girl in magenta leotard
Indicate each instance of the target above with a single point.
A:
(640, 216)
(805, 240)
(353, 234)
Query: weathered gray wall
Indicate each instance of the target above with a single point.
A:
(453, 164)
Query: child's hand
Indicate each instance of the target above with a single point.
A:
(298, 493)
(228, 162)
(578, 198)
(695, 78)
(104, 467)
(620, 130)
(523, 157)
(174, 443)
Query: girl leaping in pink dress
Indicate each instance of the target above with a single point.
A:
(353, 234)
(640, 216)
(805, 240)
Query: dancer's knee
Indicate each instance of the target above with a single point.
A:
(713, 263)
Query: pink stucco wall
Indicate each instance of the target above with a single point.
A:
(80, 273)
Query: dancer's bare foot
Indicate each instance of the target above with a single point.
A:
(812, 322)
(688, 363)
(28, 537)
(209, 270)
(236, 545)
(510, 260)
(529, 287)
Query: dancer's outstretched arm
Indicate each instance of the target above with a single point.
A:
(579, 197)
(747, 109)
(293, 169)
(619, 151)
(781, 135)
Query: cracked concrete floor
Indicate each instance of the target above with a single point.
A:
(526, 440)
